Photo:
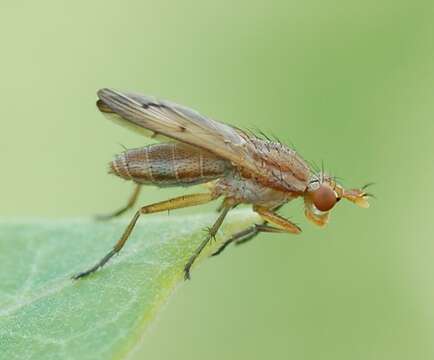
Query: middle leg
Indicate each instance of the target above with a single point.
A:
(211, 234)
(175, 203)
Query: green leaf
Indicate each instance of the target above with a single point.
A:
(46, 315)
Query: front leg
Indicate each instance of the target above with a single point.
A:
(247, 235)
(273, 218)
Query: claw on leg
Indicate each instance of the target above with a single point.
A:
(96, 267)
(187, 272)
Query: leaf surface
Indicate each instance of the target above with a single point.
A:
(46, 315)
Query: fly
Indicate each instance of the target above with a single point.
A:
(237, 166)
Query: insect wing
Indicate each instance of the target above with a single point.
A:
(174, 121)
(118, 119)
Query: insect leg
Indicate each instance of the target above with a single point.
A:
(260, 228)
(132, 200)
(175, 203)
(247, 235)
(271, 217)
(211, 234)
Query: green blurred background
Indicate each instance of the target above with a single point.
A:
(349, 83)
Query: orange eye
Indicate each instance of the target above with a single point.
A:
(324, 198)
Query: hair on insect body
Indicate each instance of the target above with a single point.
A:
(236, 165)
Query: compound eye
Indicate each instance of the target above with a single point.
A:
(324, 198)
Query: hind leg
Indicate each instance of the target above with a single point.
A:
(131, 202)
(175, 203)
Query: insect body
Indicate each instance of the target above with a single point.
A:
(240, 167)
(174, 164)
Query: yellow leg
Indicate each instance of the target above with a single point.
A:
(276, 219)
(131, 201)
(175, 203)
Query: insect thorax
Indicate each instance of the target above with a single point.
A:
(250, 191)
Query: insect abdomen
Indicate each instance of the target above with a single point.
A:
(168, 165)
